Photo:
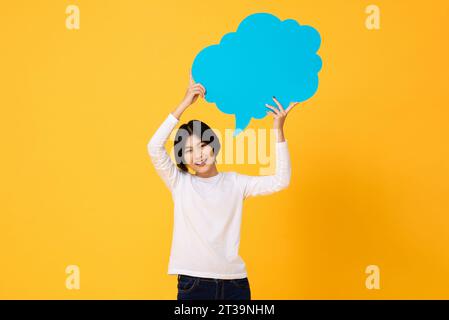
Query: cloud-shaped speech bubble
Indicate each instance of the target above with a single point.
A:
(265, 57)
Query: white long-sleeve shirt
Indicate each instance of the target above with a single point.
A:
(208, 211)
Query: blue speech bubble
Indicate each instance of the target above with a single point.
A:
(265, 57)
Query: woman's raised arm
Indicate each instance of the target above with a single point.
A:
(162, 162)
(263, 185)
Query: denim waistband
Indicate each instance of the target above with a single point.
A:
(204, 279)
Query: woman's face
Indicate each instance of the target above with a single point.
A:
(198, 155)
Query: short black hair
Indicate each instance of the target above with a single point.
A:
(202, 131)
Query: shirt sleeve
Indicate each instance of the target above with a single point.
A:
(161, 160)
(263, 185)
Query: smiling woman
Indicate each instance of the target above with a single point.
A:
(208, 204)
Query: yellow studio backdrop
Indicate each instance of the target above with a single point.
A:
(369, 150)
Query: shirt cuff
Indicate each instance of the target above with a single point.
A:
(281, 144)
(172, 118)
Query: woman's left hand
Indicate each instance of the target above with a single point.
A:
(280, 114)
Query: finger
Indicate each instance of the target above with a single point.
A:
(291, 106)
(276, 111)
(272, 108)
(279, 105)
(270, 112)
(198, 91)
(204, 90)
(198, 87)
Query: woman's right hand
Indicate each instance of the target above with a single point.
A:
(193, 92)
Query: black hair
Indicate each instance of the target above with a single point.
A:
(202, 131)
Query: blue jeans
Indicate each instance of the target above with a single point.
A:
(196, 288)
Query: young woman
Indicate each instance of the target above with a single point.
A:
(208, 203)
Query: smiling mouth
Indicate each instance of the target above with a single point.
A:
(200, 164)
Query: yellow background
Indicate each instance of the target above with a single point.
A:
(369, 150)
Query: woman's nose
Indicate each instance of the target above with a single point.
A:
(198, 155)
